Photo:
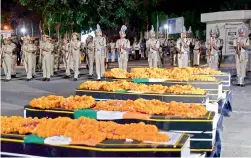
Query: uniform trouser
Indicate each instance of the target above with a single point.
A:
(173, 57)
(241, 67)
(13, 64)
(66, 60)
(7, 60)
(76, 63)
(113, 55)
(153, 59)
(249, 62)
(123, 60)
(100, 64)
(38, 62)
(34, 57)
(90, 61)
(46, 65)
(212, 61)
(28, 63)
(183, 59)
(56, 62)
(52, 65)
(196, 57)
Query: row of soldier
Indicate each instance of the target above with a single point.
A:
(96, 50)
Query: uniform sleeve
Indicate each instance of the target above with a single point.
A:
(234, 43)
(178, 43)
(158, 44)
(117, 44)
(147, 44)
(207, 44)
(128, 44)
(247, 42)
(105, 42)
(218, 43)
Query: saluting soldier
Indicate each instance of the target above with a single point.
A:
(153, 46)
(75, 45)
(123, 47)
(6, 55)
(196, 52)
(241, 47)
(45, 49)
(213, 45)
(99, 46)
(183, 49)
(90, 54)
(28, 49)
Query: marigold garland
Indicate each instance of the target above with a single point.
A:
(140, 87)
(69, 103)
(154, 107)
(82, 129)
(180, 74)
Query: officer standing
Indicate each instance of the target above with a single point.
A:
(90, 54)
(52, 56)
(112, 46)
(66, 57)
(6, 56)
(45, 49)
(123, 47)
(196, 52)
(153, 46)
(14, 57)
(241, 46)
(183, 49)
(99, 47)
(34, 56)
(213, 45)
(28, 49)
(75, 45)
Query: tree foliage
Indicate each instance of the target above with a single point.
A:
(76, 15)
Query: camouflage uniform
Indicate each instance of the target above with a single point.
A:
(56, 53)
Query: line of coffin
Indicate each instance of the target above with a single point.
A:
(202, 130)
(107, 148)
(202, 99)
(214, 88)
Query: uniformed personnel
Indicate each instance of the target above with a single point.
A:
(52, 56)
(196, 51)
(153, 46)
(113, 50)
(90, 54)
(99, 47)
(123, 47)
(241, 57)
(6, 56)
(190, 40)
(14, 57)
(66, 57)
(173, 52)
(213, 45)
(45, 49)
(75, 45)
(182, 46)
(28, 49)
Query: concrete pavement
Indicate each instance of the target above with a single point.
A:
(237, 128)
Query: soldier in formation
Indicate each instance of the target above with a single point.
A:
(183, 49)
(99, 47)
(153, 46)
(90, 54)
(213, 45)
(123, 47)
(65, 49)
(241, 57)
(7, 57)
(75, 45)
(196, 52)
(173, 52)
(189, 37)
(46, 49)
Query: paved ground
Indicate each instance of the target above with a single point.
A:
(237, 128)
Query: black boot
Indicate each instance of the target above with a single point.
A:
(13, 76)
(75, 79)
(242, 85)
(28, 79)
(48, 79)
(7, 80)
(44, 79)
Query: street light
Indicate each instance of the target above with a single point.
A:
(5, 27)
(23, 30)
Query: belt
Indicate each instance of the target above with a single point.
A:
(196, 49)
